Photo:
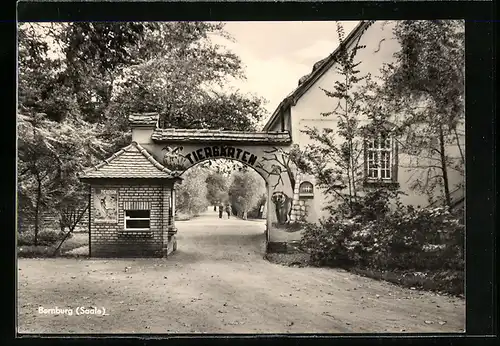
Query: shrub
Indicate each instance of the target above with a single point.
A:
(35, 251)
(374, 205)
(429, 238)
(25, 238)
(326, 242)
(45, 237)
(254, 213)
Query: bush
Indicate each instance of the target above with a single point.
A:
(45, 237)
(254, 213)
(326, 242)
(374, 205)
(429, 238)
(25, 238)
(35, 251)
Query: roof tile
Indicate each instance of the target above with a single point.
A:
(143, 119)
(201, 135)
(130, 162)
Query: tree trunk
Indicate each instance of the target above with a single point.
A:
(291, 177)
(74, 219)
(459, 146)
(353, 170)
(350, 188)
(245, 215)
(37, 207)
(444, 167)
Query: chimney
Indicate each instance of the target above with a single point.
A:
(143, 125)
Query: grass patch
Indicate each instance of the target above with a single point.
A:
(184, 217)
(44, 251)
(76, 241)
(442, 281)
(32, 251)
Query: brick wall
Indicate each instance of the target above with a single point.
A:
(110, 239)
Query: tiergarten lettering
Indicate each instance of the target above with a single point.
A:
(221, 152)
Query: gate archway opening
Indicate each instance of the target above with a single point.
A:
(221, 204)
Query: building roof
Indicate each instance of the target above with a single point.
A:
(131, 162)
(205, 135)
(319, 69)
(143, 119)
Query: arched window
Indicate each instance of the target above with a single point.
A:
(306, 189)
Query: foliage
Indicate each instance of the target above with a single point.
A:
(245, 190)
(179, 73)
(70, 217)
(426, 84)
(254, 213)
(45, 237)
(79, 81)
(373, 205)
(49, 156)
(191, 194)
(326, 242)
(217, 189)
(31, 251)
(405, 238)
(336, 156)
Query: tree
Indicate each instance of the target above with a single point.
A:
(192, 192)
(335, 158)
(178, 76)
(78, 82)
(217, 189)
(245, 191)
(105, 71)
(426, 84)
(49, 155)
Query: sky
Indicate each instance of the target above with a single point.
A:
(277, 54)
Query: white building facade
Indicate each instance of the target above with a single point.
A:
(303, 108)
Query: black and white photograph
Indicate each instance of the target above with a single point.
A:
(241, 177)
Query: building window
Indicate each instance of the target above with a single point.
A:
(137, 220)
(306, 189)
(380, 159)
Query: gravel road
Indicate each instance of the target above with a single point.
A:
(218, 282)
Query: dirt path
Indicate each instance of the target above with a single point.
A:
(218, 282)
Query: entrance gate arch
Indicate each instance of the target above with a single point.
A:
(132, 193)
(266, 152)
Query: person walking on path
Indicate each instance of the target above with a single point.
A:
(221, 209)
(228, 210)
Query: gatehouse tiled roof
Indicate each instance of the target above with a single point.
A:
(131, 162)
(205, 135)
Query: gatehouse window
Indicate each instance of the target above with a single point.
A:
(137, 220)
(306, 189)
